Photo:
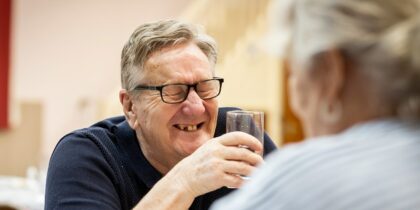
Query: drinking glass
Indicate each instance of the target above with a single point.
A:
(250, 122)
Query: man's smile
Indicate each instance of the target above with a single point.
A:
(189, 127)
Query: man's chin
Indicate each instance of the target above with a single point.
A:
(190, 147)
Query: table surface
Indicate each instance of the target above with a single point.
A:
(21, 193)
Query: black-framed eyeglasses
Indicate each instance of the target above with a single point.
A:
(177, 93)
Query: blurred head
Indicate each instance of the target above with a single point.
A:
(157, 55)
(353, 61)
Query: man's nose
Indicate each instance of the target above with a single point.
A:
(193, 104)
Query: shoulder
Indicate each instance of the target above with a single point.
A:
(303, 154)
(80, 141)
(89, 150)
(78, 150)
(343, 164)
(92, 146)
(90, 139)
(360, 150)
(82, 166)
(277, 182)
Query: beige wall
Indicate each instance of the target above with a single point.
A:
(20, 146)
(253, 80)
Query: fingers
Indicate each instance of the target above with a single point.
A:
(242, 139)
(238, 168)
(233, 180)
(219, 162)
(235, 172)
(242, 154)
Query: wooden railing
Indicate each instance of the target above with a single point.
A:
(226, 20)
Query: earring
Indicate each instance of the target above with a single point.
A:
(331, 113)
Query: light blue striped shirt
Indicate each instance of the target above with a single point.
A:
(374, 165)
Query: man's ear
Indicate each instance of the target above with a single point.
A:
(126, 101)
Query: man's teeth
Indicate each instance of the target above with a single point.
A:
(192, 127)
(188, 127)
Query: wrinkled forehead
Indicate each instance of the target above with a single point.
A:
(184, 63)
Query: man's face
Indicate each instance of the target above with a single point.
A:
(170, 132)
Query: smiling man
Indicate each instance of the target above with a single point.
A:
(170, 150)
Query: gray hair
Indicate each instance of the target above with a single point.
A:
(382, 37)
(152, 37)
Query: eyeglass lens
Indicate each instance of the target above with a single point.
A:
(176, 93)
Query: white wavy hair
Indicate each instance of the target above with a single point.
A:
(382, 37)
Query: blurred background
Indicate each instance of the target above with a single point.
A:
(59, 70)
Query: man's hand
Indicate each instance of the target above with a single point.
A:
(218, 163)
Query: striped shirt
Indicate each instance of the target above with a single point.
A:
(374, 165)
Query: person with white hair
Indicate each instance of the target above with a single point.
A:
(355, 85)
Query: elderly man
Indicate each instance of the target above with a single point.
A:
(170, 150)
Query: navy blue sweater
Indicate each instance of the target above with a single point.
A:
(102, 167)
